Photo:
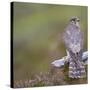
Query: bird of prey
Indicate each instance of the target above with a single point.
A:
(73, 40)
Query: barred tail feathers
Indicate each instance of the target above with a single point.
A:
(76, 71)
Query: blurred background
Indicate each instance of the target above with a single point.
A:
(37, 35)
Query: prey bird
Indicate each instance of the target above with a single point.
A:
(73, 40)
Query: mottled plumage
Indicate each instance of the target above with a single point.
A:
(73, 40)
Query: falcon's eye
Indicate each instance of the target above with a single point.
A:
(72, 19)
(78, 20)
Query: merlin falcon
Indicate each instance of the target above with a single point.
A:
(73, 40)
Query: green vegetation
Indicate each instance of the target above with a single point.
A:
(56, 76)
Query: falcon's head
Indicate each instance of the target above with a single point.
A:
(75, 21)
